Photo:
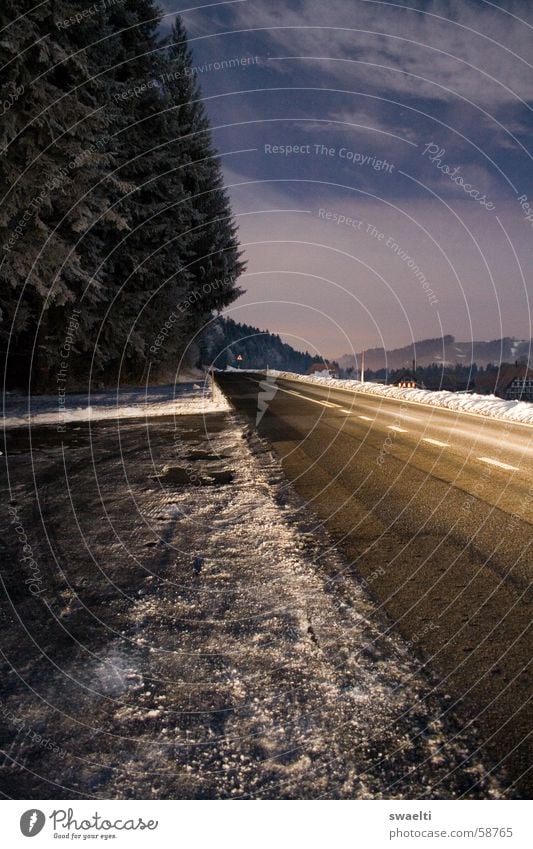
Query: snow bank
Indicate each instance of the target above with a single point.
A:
(483, 405)
(146, 402)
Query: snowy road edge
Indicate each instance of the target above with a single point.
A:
(487, 406)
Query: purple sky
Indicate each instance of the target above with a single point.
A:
(358, 90)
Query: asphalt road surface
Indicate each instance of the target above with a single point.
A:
(432, 510)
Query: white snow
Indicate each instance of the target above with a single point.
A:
(145, 402)
(483, 405)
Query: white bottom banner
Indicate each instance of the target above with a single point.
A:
(262, 824)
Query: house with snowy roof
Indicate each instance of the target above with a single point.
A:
(324, 369)
(511, 382)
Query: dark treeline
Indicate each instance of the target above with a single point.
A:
(433, 376)
(456, 378)
(113, 212)
(225, 340)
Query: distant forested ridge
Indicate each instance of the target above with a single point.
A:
(113, 219)
(445, 350)
(225, 340)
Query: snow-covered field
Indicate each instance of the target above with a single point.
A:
(483, 405)
(171, 400)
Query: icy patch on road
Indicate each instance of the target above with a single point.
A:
(146, 402)
(461, 402)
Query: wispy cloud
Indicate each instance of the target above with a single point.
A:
(441, 52)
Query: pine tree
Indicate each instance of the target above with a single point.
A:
(56, 209)
(224, 339)
(137, 265)
(113, 195)
(180, 258)
(216, 262)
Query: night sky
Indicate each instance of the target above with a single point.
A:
(377, 159)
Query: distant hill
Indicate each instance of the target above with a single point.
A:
(445, 350)
(226, 340)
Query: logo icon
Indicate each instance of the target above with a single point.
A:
(32, 822)
(266, 395)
